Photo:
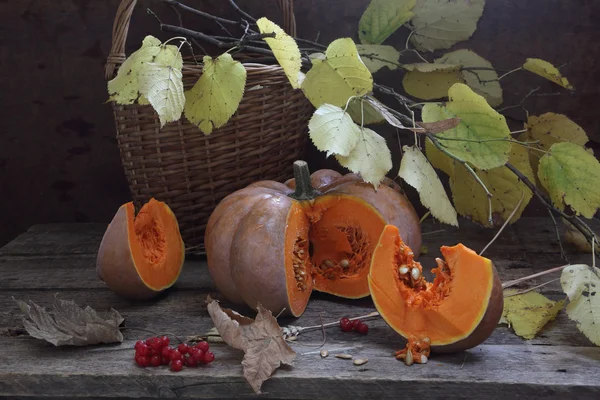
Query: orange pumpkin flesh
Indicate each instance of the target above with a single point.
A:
(272, 244)
(141, 256)
(457, 311)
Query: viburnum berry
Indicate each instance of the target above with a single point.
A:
(176, 355)
(176, 365)
(143, 350)
(164, 341)
(155, 360)
(362, 328)
(142, 361)
(166, 352)
(204, 346)
(355, 323)
(139, 344)
(183, 348)
(345, 324)
(197, 354)
(191, 361)
(209, 357)
(166, 360)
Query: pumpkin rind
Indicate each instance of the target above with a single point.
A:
(458, 311)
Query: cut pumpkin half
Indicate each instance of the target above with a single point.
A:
(457, 311)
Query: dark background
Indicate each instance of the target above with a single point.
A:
(59, 161)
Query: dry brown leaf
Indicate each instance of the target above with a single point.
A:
(261, 339)
(69, 324)
(437, 127)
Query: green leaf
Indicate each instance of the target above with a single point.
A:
(471, 200)
(529, 312)
(546, 70)
(431, 85)
(377, 56)
(371, 158)
(570, 175)
(483, 82)
(332, 130)
(215, 97)
(481, 137)
(124, 88)
(160, 82)
(417, 172)
(338, 77)
(284, 48)
(431, 67)
(382, 18)
(581, 283)
(439, 24)
(362, 112)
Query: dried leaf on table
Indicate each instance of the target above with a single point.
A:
(260, 339)
(529, 312)
(69, 324)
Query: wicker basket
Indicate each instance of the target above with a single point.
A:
(192, 172)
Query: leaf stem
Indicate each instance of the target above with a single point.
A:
(532, 288)
(510, 72)
(508, 284)
(505, 223)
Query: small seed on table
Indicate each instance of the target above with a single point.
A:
(403, 269)
(409, 358)
(324, 353)
(360, 361)
(423, 359)
(344, 356)
(415, 273)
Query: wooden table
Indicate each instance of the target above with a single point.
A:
(59, 258)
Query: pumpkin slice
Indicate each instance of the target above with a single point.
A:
(457, 311)
(141, 256)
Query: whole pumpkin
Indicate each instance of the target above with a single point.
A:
(275, 243)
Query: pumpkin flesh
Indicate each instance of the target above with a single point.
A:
(456, 311)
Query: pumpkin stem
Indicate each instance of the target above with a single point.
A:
(304, 189)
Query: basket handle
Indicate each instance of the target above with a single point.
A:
(123, 18)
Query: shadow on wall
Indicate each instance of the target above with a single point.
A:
(59, 160)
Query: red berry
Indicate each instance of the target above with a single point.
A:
(197, 354)
(166, 360)
(156, 344)
(142, 361)
(355, 324)
(164, 341)
(345, 324)
(183, 348)
(209, 357)
(176, 355)
(143, 350)
(202, 346)
(150, 340)
(344, 320)
(156, 360)
(176, 365)
(139, 344)
(362, 328)
(191, 361)
(166, 352)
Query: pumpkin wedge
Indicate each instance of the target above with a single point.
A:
(141, 256)
(457, 311)
(275, 243)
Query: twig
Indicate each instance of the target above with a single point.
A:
(508, 284)
(531, 288)
(242, 12)
(563, 255)
(389, 91)
(510, 72)
(520, 105)
(292, 330)
(505, 223)
(200, 13)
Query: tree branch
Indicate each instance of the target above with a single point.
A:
(201, 13)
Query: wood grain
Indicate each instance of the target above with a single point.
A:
(60, 259)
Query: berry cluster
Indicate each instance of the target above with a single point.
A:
(155, 351)
(355, 325)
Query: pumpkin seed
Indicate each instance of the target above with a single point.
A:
(423, 359)
(409, 358)
(360, 361)
(344, 356)
(403, 269)
(426, 340)
(329, 263)
(344, 263)
(324, 353)
(415, 273)
(300, 252)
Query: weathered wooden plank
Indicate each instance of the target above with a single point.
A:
(502, 371)
(527, 235)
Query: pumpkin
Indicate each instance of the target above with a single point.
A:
(274, 243)
(457, 311)
(141, 256)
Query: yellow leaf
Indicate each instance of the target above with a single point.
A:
(124, 88)
(382, 18)
(471, 200)
(339, 76)
(483, 81)
(434, 112)
(581, 283)
(481, 137)
(332, 130)
(362, 112)
(431, 67)
(284, 49)
(431, 85)
(571, 175)
(371, 157)
(546, 70)
(528, 313)
(576, 238)
(377, 56)
(215, 97)
(439, 24)
(161, 84)
(417, 172)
